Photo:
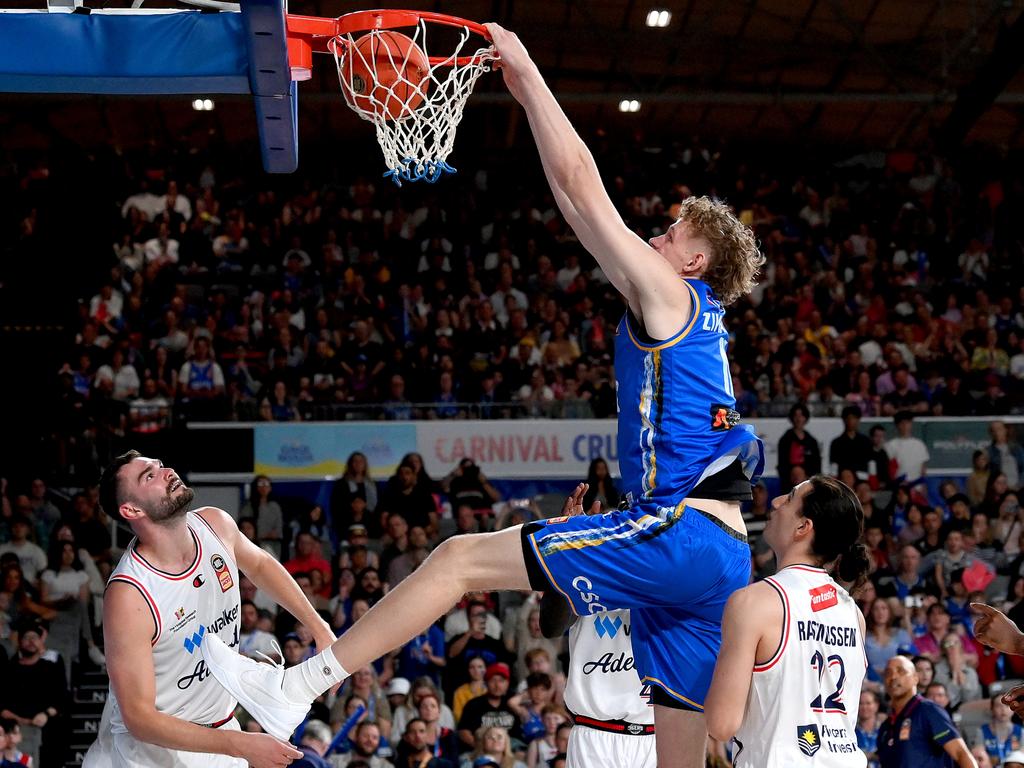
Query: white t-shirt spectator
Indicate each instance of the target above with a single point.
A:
(166, 250)
(31, 556)
(148, 204)
(126, 380)
(108, 309)
(65, 583)
(457, 624)
(910, 454)
(1017, 366)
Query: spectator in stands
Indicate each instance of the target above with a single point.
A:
(1004, 455)
(883, 640)
(467, 484)
(264, 509)
(201, 383)
(354, 483)
(316, 738)
(798, 449)
(601, 487)
(398, 534)
(491, 708)
(30, 555)
(493, 747)
(908, 452)
(64, 587)
(419, 547)
(475, 641)
(364, 684)
(444, 743)
(869, 718)
(414, 751)
(308, 557)
(879, 465)
(1000, 736)
(852, 449)
(977, 481)
(34, 693)
(44, 511)
(474, 686)
(368, 588)
(406, 498)
(366, 742)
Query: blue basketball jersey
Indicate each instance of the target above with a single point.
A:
(677, 419)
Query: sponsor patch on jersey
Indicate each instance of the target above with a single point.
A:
(905, 730)
(179, 614)
(823, 597)
(197, 582)
(223, 573)
(556, 520)
(723, 418)
(807, 739)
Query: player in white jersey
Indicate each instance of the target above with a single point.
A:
(175, 587)
(614, 722)
(787, 683)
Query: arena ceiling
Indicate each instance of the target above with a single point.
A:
(877, 73)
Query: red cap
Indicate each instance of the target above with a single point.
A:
(498, 669)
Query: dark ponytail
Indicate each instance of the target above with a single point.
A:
(854, 564)
(838, 526)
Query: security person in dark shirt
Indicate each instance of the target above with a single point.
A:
(918, 733)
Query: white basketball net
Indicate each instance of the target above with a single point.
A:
(417, 143)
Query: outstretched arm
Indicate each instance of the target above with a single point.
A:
(646, 280)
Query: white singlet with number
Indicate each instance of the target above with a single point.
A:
(802, 706)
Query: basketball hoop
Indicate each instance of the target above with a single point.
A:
(398, 81)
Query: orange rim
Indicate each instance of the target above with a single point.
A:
(308, 34)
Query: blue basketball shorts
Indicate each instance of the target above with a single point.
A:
(673, 567)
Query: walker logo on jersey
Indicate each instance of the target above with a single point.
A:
(584, 586)
(195, 640)
(197, 582)
(223, 574)
(807, 739)
(605, 626)
(723, 417)
(823, 597)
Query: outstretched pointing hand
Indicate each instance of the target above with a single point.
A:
(995, 630)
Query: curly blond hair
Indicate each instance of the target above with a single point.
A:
(735, 259)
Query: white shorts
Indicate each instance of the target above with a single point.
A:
(590, 748)
(122, 750)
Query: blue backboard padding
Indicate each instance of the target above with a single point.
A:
(123, 54)
(274, 94)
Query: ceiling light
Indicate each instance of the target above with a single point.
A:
(658, 18)
(202, 105)
(629, 105)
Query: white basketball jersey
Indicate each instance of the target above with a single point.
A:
(602, 682)
(186, 606)
(802, 706)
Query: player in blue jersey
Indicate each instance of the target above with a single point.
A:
(679, 550)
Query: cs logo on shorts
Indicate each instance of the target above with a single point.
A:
(223, 574)
(807, 739)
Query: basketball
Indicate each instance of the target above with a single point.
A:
(384, 74)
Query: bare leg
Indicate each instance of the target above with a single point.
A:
(682, 737)
(479, 561)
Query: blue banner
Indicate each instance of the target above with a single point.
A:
(294, 450)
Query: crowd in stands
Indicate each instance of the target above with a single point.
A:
(890, 288)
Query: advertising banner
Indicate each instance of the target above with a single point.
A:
(320, 449)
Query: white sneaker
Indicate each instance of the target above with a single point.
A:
(258, 687)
